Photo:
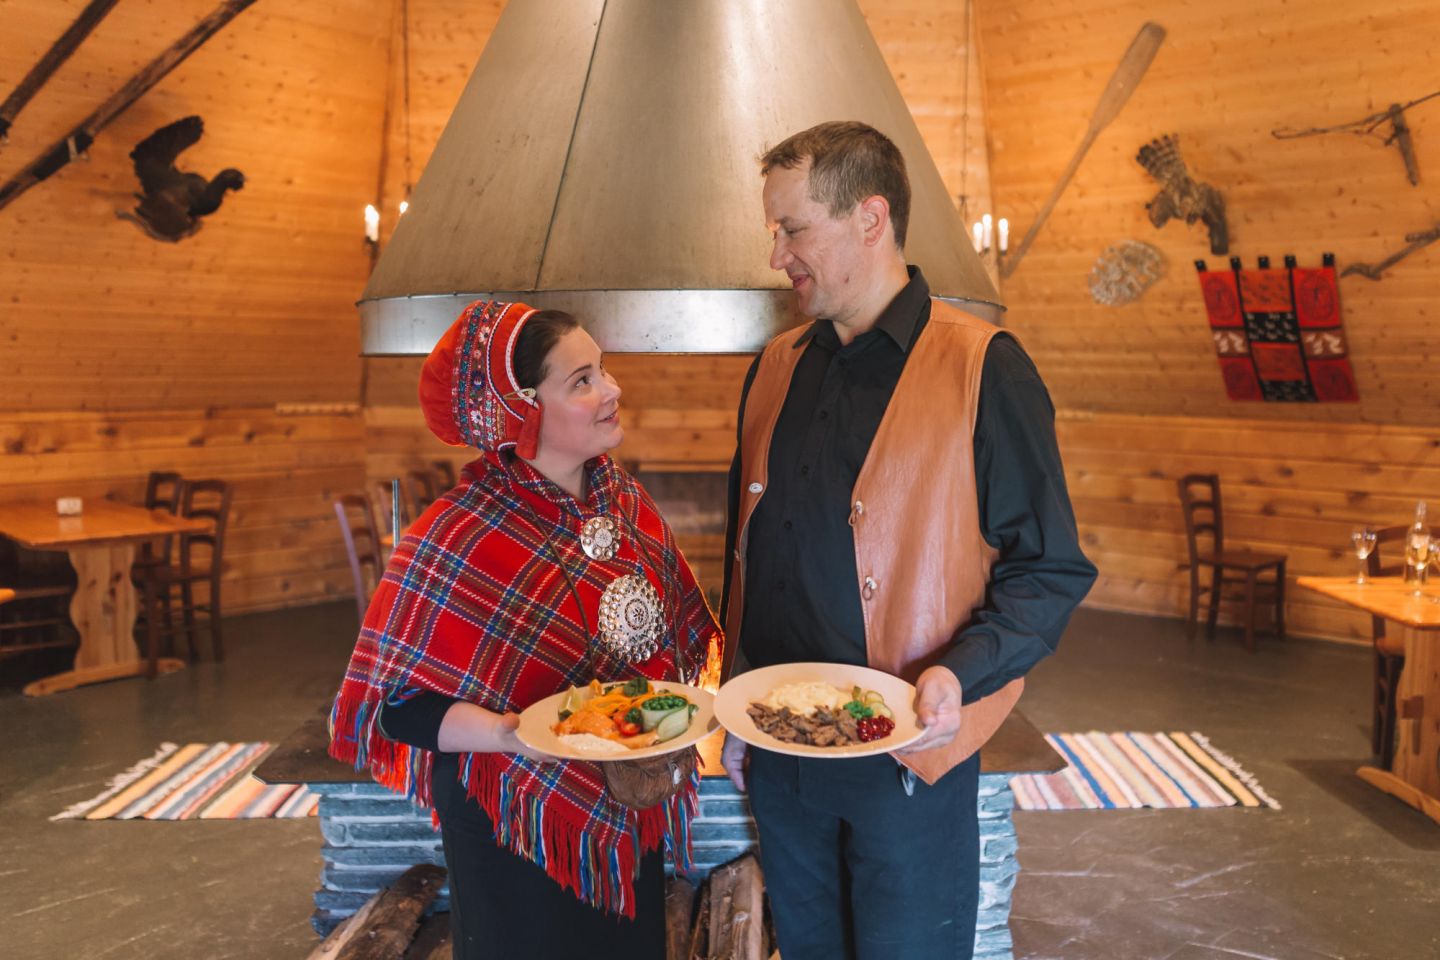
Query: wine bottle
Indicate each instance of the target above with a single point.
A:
(1417, 547)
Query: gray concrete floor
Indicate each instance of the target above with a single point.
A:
(1340, 872)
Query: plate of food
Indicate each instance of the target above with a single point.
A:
(620, 720)
(819, 710)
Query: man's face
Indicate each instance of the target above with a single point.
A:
(822, 255)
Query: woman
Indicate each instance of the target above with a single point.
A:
(492, 601)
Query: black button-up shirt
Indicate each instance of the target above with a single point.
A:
(802, 600)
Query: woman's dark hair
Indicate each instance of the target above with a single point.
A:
(537, 338)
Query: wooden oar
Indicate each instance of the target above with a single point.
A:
(78, 140)
(1123, 83)
(58, 53)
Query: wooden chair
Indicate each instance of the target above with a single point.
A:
(419, 491)
(1389, 651)
(444, 473)
(201, 561)
(362, 545)
(385, 507)
(1200, 503)
(40, 585)
(162, 492)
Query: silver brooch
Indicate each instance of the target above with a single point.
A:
(599, 538)
(630, 624)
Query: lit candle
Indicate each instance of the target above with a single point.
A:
(989, 234)
(977, 233)
(372, 223)
(404, 205)
(1004, 235)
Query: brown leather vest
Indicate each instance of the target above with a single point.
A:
(922, 563)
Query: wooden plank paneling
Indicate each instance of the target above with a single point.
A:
(123, 354)
(283, 546)
(1297, 491)
(1226, 76)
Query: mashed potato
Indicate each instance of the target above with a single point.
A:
(805, 697)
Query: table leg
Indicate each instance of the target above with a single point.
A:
(1414, 776)
(104, 613)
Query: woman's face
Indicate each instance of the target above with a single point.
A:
(580, 401)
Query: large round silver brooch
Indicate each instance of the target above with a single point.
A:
(630, 623)
(599, 538)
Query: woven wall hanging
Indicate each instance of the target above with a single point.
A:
(1277, 332)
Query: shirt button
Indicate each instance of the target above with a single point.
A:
(788, 524)
(804, 471)
(824, 414)
(780, 585)
(755, 487)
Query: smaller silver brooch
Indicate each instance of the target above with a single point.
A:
(599, 538)
(630, 622)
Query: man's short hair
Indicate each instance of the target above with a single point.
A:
(849, 161)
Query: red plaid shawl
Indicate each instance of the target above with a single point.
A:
(473, 606)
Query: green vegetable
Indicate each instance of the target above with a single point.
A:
(564, 714)
(633, 715)
(658, 708)
(636, 687)
(859, 710)
(672, 726)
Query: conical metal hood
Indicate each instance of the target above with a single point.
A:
(603, 159)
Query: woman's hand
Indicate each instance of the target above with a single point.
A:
(468, 728)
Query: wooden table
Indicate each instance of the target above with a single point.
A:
(1415, 773)
(101, 543)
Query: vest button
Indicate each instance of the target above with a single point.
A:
(756, 487)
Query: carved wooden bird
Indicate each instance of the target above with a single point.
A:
(173, 200)
(1181, 195)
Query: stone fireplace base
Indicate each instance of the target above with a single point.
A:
(371, 836)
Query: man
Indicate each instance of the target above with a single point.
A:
(897, 500)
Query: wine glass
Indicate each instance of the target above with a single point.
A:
(1418, 548)
(1363, 540)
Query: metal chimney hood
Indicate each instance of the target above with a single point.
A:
(603, 160)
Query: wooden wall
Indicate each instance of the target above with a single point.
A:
(1139, 386)
(233, 353)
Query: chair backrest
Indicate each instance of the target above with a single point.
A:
(206, 500)
(419, 489)
(162, 492)
(444, 472)
(385, 506)
(1200, 504)
(362, 544)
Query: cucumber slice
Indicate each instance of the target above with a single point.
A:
(675, 723)
(650, 719)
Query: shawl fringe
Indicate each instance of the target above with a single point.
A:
(603, 878)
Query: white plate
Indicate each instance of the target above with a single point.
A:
(537, 719)
(737, 695)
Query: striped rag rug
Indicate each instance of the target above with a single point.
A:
(1131, 770)
(199, 781)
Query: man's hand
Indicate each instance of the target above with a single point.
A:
(734, 757)
(937, 707)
